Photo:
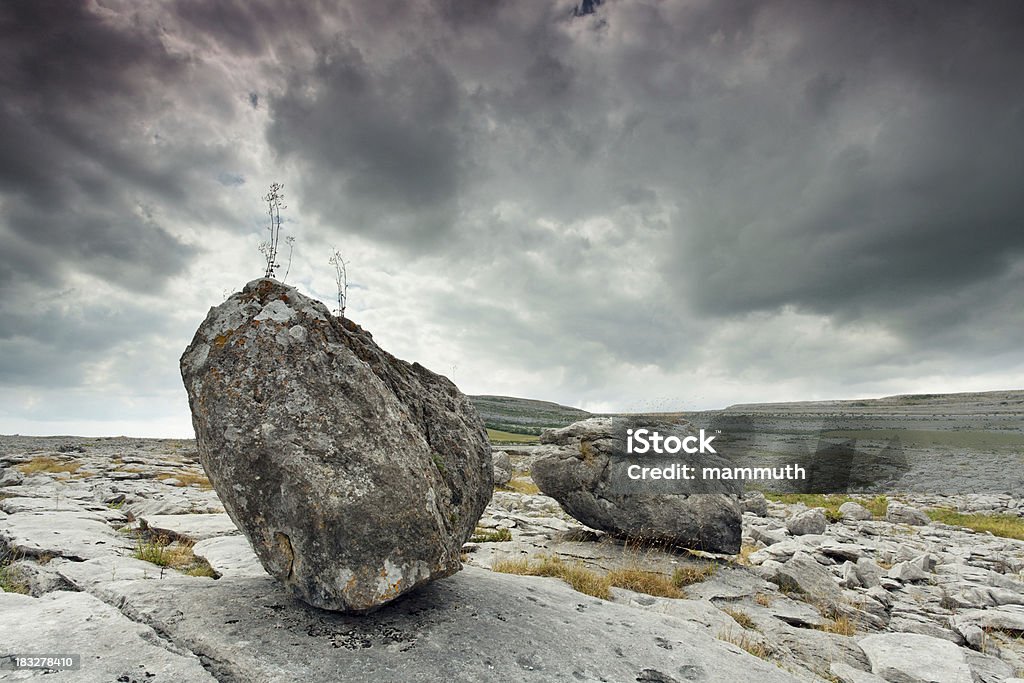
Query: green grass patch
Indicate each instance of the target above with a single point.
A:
(831, 502)
(490, 536)
(1007, 526)
(177, 556)
(498, 436)
(11, 578)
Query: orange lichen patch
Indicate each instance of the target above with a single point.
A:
(221, 339)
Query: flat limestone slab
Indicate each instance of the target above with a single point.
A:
(916, 658)
(84, 575)
(197, 527)
(474, 626)
(112, 646)
(61, 534)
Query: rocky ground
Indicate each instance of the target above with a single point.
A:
(118, 550)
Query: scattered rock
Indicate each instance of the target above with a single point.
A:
(60, 534)
(1008, 618)
(755, 503)
(854, 512)
(10, 477)
(802, 573)
(845, 673)
(868, 572)
(502, 468)
(229, 556)
(807, 522)
(913, 658)
(907, 572)
(356, 476)
(898, 513)
(768, 536)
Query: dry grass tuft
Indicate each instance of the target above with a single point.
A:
(691, 574)
(177, 556)
(743, 557)
(187, 479)
(45, 463)
(741, 618)
(840, 624)
(521, 485)
(745, 642)
(643, 581)
(576, 575)
(763, 599)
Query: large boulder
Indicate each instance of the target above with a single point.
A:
(356, 476)
(583, 469)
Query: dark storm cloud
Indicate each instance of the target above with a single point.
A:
(85, 157)
(889, 179)
(249, 27)
(381, 145)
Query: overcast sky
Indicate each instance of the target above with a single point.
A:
(653, 206)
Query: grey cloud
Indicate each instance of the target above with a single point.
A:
(72, 174)
(379, 145)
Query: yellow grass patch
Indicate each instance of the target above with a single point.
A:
(576, 575)
(691, 574)
(45, 463)
(187, 478)
(521, 485)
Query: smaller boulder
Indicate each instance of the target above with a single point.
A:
(855, 512)
(898, 513)
(803, 573)
(502, 468)
(905, 572)
(11, 477)
(755, 503)
(584, 469)
(807, 522)
(868, 572)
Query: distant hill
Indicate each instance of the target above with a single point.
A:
(524, 415)
(992, 402)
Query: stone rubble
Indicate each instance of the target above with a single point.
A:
(864, 600)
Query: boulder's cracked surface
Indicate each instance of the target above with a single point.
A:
(356, 476)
